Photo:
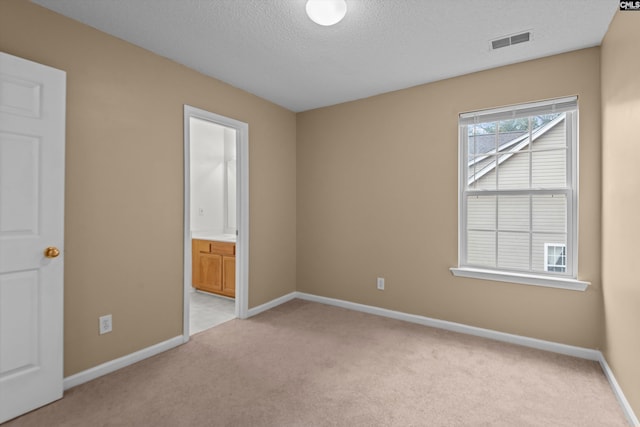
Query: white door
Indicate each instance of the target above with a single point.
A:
(32, 141)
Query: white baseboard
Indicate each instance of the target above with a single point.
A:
(580, 352)
(273, 303)
(617, 391)
(583, 353)
(114, 365)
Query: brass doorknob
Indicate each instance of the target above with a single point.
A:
(51, 252)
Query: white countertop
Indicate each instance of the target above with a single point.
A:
(205, 235)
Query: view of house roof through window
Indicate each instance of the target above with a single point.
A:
(504, 142)
(518, 210)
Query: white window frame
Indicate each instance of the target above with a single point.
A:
(563, 280)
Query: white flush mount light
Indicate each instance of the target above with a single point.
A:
(326, 12)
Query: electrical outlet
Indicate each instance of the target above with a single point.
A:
(380, 283)
(105, 324)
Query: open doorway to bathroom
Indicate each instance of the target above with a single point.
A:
(216, 220)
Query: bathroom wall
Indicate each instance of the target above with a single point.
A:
(230, 156)
(213, 152)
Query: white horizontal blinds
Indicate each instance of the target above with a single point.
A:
(514, 221)
(517, 185)
(549, 213)
(481, 229)
(559, 105)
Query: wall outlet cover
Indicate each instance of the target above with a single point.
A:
(105, 324)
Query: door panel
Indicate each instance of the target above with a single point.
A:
(32, 142)
(19, 200)
(20, 97)
(229, 275)
(19, 300)
(210, 272)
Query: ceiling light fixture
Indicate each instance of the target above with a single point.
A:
(326, 12)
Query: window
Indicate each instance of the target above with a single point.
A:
(518, 193)
(555, 255)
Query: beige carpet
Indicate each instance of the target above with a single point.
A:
(308, 364)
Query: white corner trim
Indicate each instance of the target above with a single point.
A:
(617, 391)
(271, 304)
(521, 278)
(121, 362)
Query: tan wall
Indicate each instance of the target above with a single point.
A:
(376, 193)
(124, 182)
(377, 196)
(621, 200)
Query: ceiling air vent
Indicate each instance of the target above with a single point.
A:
(509, 40)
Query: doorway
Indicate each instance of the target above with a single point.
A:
(216, 220)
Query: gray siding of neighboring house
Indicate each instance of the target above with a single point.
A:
(549, 212)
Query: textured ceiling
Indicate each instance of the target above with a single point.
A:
(272, 49)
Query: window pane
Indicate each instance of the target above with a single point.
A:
(537, 248)
(481, 212)
(479, 173)
(549, 137)
(513, 127)
(549, 213)
(481, 248)
(482, 139)
(482, 174)
(513, 250)
(513, 171)
(540, 120)
(549, 169)
(513, 213)
(556, 260)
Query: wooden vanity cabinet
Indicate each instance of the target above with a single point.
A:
(214, 266)
(229, 276)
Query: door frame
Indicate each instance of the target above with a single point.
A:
(242, 212)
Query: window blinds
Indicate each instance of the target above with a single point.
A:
(559, 105)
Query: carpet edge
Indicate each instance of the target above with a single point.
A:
(121, 362)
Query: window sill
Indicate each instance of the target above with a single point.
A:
(521, 278)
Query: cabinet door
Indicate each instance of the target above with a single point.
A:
(210, 272)
(229, 276)
(197, 248)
